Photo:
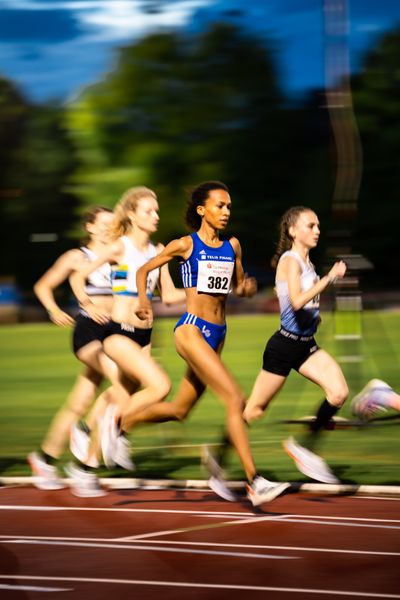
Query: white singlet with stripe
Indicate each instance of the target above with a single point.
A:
(124, 274)
(97, 283)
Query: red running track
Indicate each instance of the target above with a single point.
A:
(190, 544)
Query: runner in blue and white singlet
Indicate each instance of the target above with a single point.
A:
(210, 267)
(209, 270)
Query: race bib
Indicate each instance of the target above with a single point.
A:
(214, 276)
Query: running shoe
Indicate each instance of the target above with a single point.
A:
(46, 476)
(210, 463)
(262, 490)
(217, 480)
(309, 463)
(83, 483)
(371, 399)
(122, 454)
(219, 486)
(109, 435)
(79, 441)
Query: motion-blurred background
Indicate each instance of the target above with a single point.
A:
(97, 96)
(287, 101)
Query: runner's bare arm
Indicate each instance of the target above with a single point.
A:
(243, 285)
(179, 247)
(77, 281)
(59, 272)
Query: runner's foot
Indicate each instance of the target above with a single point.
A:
(83, 483)
(47, 477)
(261, 490)
(309, 463)
(371, 399)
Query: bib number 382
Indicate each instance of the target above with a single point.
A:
(214, 276)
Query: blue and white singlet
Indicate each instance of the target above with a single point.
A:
(208, 269)
(124, 274)
(304, 321)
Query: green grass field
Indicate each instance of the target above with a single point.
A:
(37, 370)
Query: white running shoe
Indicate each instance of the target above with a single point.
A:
(210, 463)
(309, 463)
(79, 441)
(217, 480)
(122, 454)
(46, 475)
(220, 487)
(262, 490)
(371, 399)
(83, 483)
(109, 435)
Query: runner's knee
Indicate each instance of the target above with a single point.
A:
(236, 405)
(180, 413)
(252, 413)
(161, 389)
(338, 396)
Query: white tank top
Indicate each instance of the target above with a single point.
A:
(305, 320)
(97, 283)
(124, 274)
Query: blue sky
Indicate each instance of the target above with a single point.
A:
(53, 48)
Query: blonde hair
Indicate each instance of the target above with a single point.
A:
(289, 218)
(128, 202)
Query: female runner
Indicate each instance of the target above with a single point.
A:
(127, 342)
(87, 345)
(293, 346)
(208, 268)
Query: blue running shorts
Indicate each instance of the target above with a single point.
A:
(213, 334)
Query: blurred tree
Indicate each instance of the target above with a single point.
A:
(36, 159)
(13, 114)
(176, 111)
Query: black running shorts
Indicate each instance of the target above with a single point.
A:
(137, 334)
(85, 331)
(283, 353)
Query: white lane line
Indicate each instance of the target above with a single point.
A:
(375, 498)
(203, 527)
(144, 548)
(348, 518)
(343, 524)
(33, 508)
(32, 588)
(206, 544)
(211, 513)
(214, 586)
(198, 513)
